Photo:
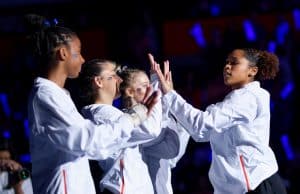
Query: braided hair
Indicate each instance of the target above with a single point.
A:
(44, 37)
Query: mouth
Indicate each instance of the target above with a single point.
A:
(226, 74)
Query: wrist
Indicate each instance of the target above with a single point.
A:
(167, 90)
(18, 188)
(137, 113)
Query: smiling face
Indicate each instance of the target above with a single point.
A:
(238, 71)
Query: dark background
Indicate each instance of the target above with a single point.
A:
(194, 35)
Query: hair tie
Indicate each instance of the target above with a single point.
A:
(47, 23)
(50, 23)
(121, 69)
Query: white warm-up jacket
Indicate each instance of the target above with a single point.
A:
(125, 170)
(163, 153)
(61, 141)
(238, 129)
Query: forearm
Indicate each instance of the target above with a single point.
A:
(190, 118)
(18, 188)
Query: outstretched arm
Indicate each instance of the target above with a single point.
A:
(166, 84)
(67, 130)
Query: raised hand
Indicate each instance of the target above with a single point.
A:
(151, 98)
(165, 78)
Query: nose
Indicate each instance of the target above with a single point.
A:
(227, 66)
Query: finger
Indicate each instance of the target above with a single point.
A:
(151, 59)
(163, 79)
(151, 102)
(166, 67)
(152, 97)
(148, 93)
(169, 76)
(148, 100)
(152, 62)
(156, 67)
(158, 71)
(164, 84)
(170, 79)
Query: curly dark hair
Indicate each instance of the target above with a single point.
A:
(267, 63)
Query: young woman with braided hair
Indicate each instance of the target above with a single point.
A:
(61, 140)
(238, 128)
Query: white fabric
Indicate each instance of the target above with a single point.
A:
(238, 129)
(135, 172)
(61, 141)
(162, 153)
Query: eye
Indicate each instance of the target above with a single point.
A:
(231, 62)
(234, 62)
(75, 55)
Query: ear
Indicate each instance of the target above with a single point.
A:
(97, 82)
(253, 71)
(129, 92)
(62, 53)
